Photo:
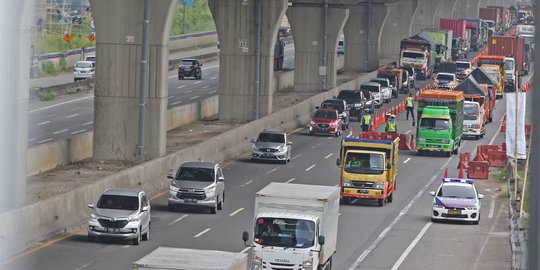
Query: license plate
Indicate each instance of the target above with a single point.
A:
(190, 200)
(454, 212)
(361, 191)
(112, 230)
(323, 129)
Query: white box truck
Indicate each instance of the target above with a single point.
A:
(295, 227)
(168, 258)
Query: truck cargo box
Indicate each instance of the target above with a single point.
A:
(509, 47)
(168, 258)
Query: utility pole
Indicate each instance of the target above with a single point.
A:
(143, 86)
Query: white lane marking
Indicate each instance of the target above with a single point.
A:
(197, 82)
(272, 170)
(400, 215)
(43, 123)
(201, 233)
(169, 97)
(236, 212)
(194, 97)
(317, 145)
(181, 86)
(211, 92)
(78, 131)
(29, 140)
(407, 160)
(73, 115)
(411, 246)
(408, 131)
(491, 207)
(209, 67)
(329, 155)
(247, 183)
(189, 91)
(60, 131)
(329, 138)
(87, 123)
(296, 156)
(44, 141)
(84, 265)
(176, 220)
(177, 102)
(290, 180)
(59, 104)
(204, 87)
(213, 78)
(245, 249)
(310, 167)
(496, 132)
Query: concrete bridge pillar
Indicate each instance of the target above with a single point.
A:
(445, 10)
(473, 9)
(15, 31)
(118, 53)
(397, 27)
(361, 50)
(235, 22)
(307, 27)
(425, 15)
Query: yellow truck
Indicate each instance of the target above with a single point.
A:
(368, 169)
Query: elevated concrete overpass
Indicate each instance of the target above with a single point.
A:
(372, 31)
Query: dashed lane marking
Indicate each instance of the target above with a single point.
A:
(247, 183)
(201, 233)
(194, 97)
(177, 102)
(272, 170)
(296, 156)
(236, 212)
(44, 141)
(43, 123)
(310, 167)
(60, 131)
(407, 160)
(329, 155)
(181, 86)
(87, 123)
(197, 82)
(73, 115)
(78, 131)
(290, 180)
(177, 220)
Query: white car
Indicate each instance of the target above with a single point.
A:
(456, 199)
(386, 90)
(84, 70)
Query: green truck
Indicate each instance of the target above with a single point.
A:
(440, 121)
(443, 41)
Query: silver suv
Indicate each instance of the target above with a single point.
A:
(197, 184)
(120, 213)
(271, 145)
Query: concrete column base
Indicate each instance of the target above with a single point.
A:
(308, 45)
(397, 27)
(362, 52)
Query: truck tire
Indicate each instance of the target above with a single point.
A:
(477, 137)
(390, 197)
(380, 202)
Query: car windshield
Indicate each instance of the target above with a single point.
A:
(470, 112)
(463, 65)
(285, 232)
(83, 65)
(333, 105)
(370, 88)
(195, 174)
(383, 83)
(445, 77)
(325, 114)
(508, 65)
(435, 123)
(490, 23)
(364, 163)
(271, 137)
(348, 95)
(187, 63)
(414, 55)
(90, 58)
(366, 93)
(455, 191)
(118, 202)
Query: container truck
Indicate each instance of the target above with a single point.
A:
(477, 108)
(511, 47)
(418, 52)
(440, 121)
(169, 258)
(499, 64)
(478, 33)
(295, 227)
(491, 14)
(459, 29)
(443, 48)
(503, 17)
(368, 169)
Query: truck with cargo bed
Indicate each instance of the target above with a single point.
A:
(418, 52)
(459, 30)
(170, 258)
(498, 63)
(443, 49)
(477, 108)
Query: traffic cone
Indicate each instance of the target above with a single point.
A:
(503, 147)
(479, 156)
(461, 172)
(446, 173)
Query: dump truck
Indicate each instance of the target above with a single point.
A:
(482, 77)
(395, 76)
(182, 258)
(440, 121)
(294, 225)
(368, 169)
(477, 108)
(418, 52)
(496, 62)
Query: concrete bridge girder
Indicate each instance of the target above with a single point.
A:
(236, 29)
(308, 45)
(118, 50)
(425, 15)
(362, 51)
(397, 26)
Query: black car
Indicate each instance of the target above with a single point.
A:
(355, 102)
(189, 68)
(341, 106)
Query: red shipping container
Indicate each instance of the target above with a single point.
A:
(502, 14)
(509, 47)
(458, 26)
(490, 14)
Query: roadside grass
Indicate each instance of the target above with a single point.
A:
(198, 47)
(47, 96)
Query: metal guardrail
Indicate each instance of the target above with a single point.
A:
(518, 235)
(200, 34)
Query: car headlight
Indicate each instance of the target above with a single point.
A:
(174, 185)
(379, 185)
(210, 189)
(421, 140)
(446, 141)
(308, 264)
(436, 205)
(133, 219)
(93, 217)
(347, 183)
(312, 123)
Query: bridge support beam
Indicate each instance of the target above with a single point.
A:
(445, 10)
(361, 50)
(425, 15)
(118, 53)
(397, 27)
(307, 27)
(235, 22)
(15, 31)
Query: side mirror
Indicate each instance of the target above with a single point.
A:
(388, 166)
(289, 143)
(480, 196)
(338, 162)
(252, 141)
(245, 238)
(91, 205)
(145, 208)
(432, 193)
(321, 240)
(221, 179)
(317, 107)
(170, 175)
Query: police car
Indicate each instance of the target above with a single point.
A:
(456, 199)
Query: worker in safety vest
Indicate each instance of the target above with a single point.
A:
(391, 125)
(410, 107)
(366, 121)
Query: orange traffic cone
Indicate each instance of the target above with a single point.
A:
(461, 172)
(446, 173)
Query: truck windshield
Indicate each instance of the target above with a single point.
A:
(445, 77)
(470, 112)
(508, 64)
(451, 191)
(365, 163)
(463, 65)
(414, 55)
(435, 123)
(383, 83)
(285, 232)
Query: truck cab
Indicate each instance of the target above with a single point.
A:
(509, 73)
(463, 69)
(473, 120)
(418, 59)
(445, 81)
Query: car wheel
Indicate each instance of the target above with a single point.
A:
(213, 209)
(477, 137)
(284, 161)
(146, 236)
(380, 202)
(220, 204)
(344, 200)
(390, 197)
(434, 220)
(181, 77)
(137, 240)
(170, 207)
